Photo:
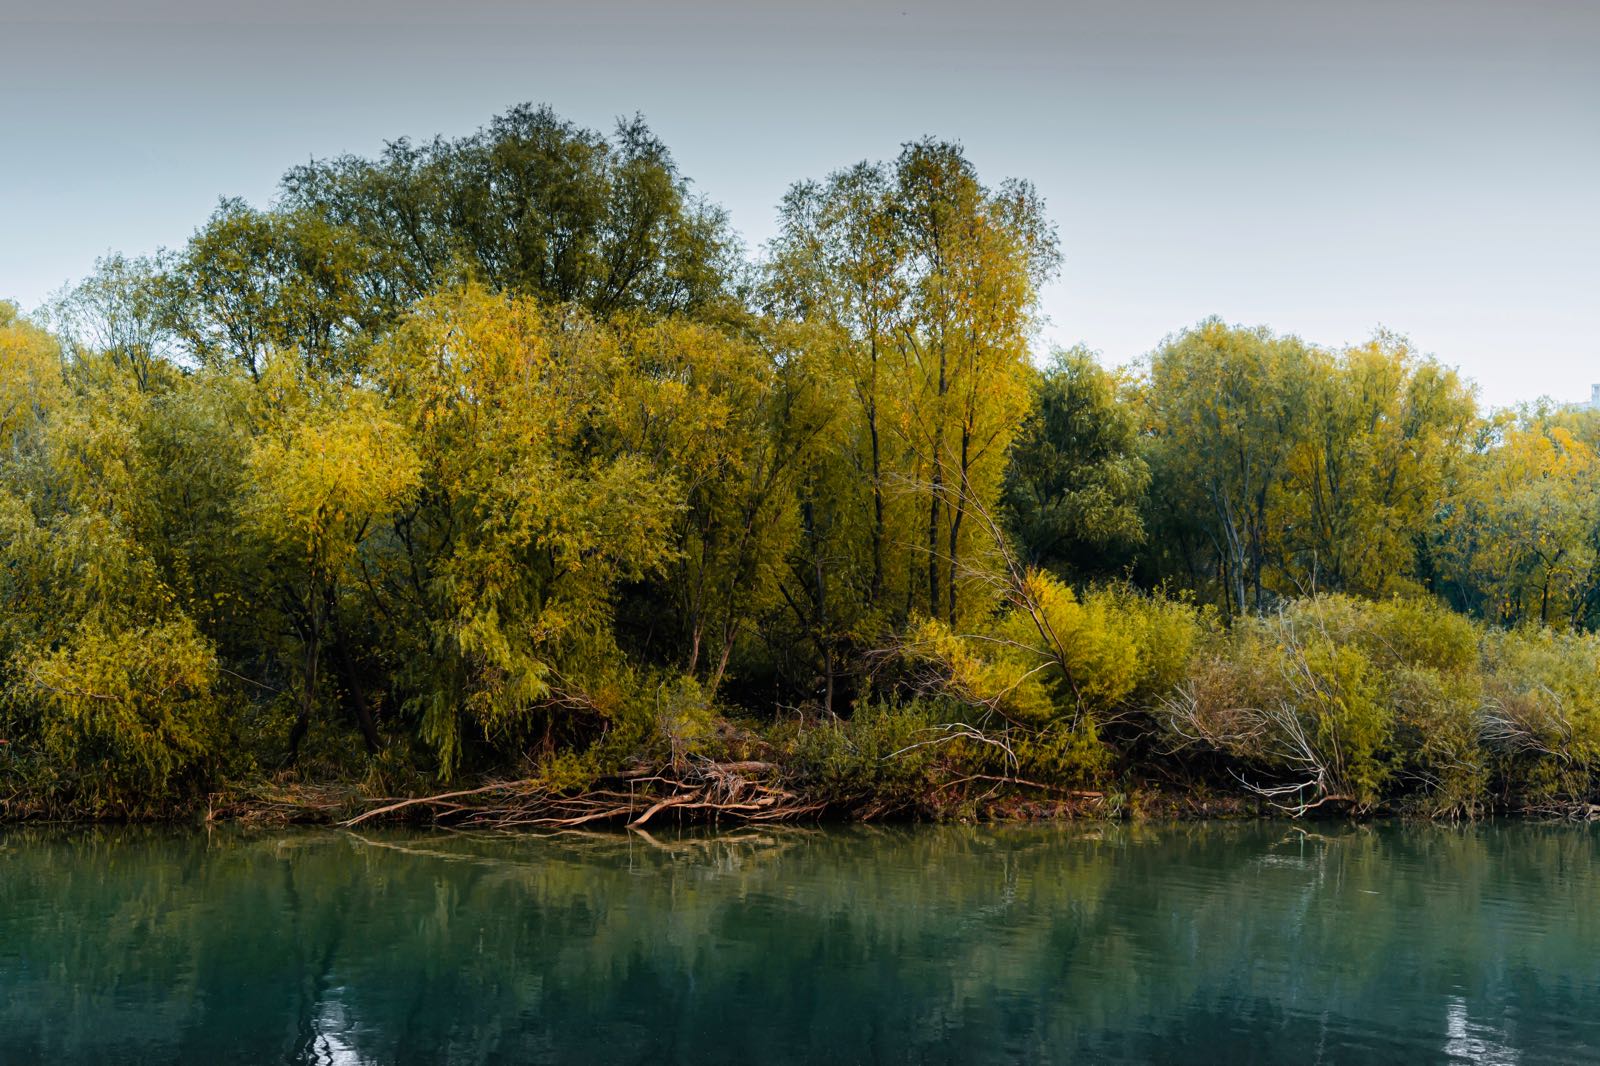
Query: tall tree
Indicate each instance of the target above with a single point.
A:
(327, 470)
(730, 420)
(257, 282)
(837, 263)
(973, 263)
(30, 373)
(497, 579)
(126, 310)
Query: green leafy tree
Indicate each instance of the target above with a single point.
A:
(257, 282)
(1227, 408)
(973, 262)
(1075, 484)
(327, 469)
(1383, 437)
(126, 311)
(729, 420)
(30, 375)
(531, 204)
(498, 583)
(1517, 541)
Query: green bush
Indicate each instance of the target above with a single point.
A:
(1340, 699)
(123, 721)
(1542, 712)
(886, 755)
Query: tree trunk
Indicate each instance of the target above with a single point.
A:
(958, 511)
(358, 696)
(936, 497)
(308, 690)
(877, 479)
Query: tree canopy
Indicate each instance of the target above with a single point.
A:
(494, 454)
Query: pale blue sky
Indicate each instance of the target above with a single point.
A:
(1322, 167)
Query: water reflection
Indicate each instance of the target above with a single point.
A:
(1254, 943)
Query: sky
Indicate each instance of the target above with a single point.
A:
(1324, 168)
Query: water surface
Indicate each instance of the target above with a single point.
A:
(1203, 943)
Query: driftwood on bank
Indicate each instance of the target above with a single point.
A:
(740, 792)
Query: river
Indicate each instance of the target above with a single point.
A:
(1205, 943)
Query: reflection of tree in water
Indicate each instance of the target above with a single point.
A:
(1197, 943)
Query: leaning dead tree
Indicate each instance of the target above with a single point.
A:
(1283, 737)
(1536, 722)
(1275, 736)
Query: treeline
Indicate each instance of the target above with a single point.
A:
(498, 455)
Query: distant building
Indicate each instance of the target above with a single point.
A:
(1594, 397)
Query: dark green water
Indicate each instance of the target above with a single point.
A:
(1211, 943)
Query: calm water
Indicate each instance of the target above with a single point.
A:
(1215, 943)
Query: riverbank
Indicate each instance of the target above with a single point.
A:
(725, 797)
(739, 793)
(695, 792)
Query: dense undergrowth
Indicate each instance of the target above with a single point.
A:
(1332, 704)
(492, 467)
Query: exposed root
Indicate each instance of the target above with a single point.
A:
(434, 801)
(718, 792)
(1574, 810)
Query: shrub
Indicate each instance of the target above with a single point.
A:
(887, 755)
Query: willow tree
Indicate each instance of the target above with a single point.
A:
(836, 269)
(108, 695)
(929, 281)
(1383, 435)
(729, 419)
(253, 282)
(31, 390)
(837, 263)
(30, 373)
(498, 584)
(327, 469)
(126, 310)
